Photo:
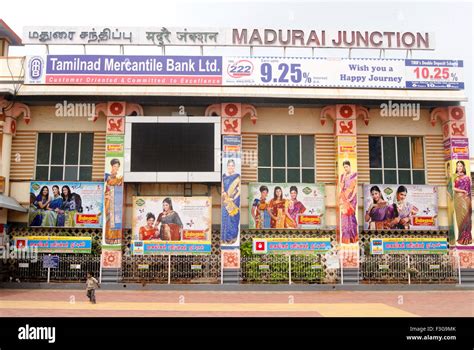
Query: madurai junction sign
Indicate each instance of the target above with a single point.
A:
(163, 36)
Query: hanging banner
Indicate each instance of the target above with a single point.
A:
(231, 190)
(65, 204)
(171, 225)
(400, 207)
(291, 245)
(245, 71)
(459, 193)
(55, 244)
(154, 247)
(408, 246)
(456, 148)
(286, 205)
(347, 226)
(113, 178)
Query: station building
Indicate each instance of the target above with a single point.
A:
(364, 170)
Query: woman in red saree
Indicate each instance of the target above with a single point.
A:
(171, 225)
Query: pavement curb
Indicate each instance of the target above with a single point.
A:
(244, 287)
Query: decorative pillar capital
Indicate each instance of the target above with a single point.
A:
(231, 115)
(15, 110)
(117, 109)
(363, 112)
(440, 113)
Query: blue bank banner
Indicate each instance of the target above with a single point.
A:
(157, 247)
(408, 246)
(245, 71)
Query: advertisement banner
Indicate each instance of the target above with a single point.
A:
(460, 203)
(456, 148)
(55, 244)
(163, 225)
(125, 70)
(286, 205)
(343, 72)
(408, 246)
(65, 204)
(231, 190)
(400, 207)
(245, 71)
(156, 247)
(347, 225)
(113, 179)
(291, 245)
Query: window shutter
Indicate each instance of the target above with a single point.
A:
(249, 158)
(23, 144)
(98, 158)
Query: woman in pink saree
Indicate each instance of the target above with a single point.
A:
(462, 204)
(348, 204)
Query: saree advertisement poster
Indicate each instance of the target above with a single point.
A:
(286, 206)
(113, 178)
(291, 245)
(459, 203)
(347, 227)
(66, 204)
(400, 207)
(231, 188)
(408, 246)
(172, 219)
(55, 244)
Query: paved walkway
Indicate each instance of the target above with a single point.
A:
(31, 303)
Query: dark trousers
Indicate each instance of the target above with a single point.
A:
(91, 295)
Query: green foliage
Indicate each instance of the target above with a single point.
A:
(246, 249)
(301, 269)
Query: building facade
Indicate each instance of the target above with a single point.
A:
(329, 171)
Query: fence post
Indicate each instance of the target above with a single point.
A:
(49, 271)
(100, 268)
(409, 274)
(341, 267)
(289, 268)
(222, 270)
(458, 259)
(169, 269)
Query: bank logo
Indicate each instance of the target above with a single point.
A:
(240, 69)
(35, 69)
